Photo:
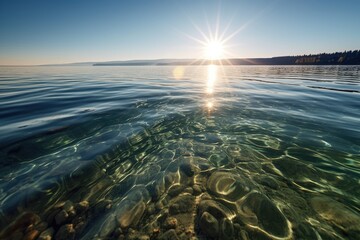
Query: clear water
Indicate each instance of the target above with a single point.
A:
(266, 152)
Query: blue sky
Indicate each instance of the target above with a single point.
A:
(45, 31)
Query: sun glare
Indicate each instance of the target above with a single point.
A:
(214, 50)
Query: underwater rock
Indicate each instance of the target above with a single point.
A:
(226, 229)
(131, 209)
(169, 235)
(257, 209)
(31, 235)
(213, 138)
(188, 190)
(182, 204)
(209, 225)
(68, 206)
(269, 182)
(305, 231)
(227, 185)
(41, 226)
(188, 169)
(61, 217)
(337, 214)
(296, 170)
(154, 191)
(197, 190)
(81, 206)
(65, 232)
(19, 225)
(47, 234)
(170, 223)
(130, 214)
(218, 159)
(108, 226)
(214, 208)
(175, 190)
(102, 206)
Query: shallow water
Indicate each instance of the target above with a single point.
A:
(265, 152)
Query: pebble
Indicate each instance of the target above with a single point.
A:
(51, 217)
(209, 225)
(143, 237)
(226, 229)
(130, 214)
(188, 169)
(175, 190)
(47, 234)
(68, 206)
(215, 208)
(65, 232)
(108, 226)
(20, 225)
(197, 190)
(257, 209)
(82, 206)
(337, 213)
(269, 182)
(103, 206)
(182, 204)
(170, 223)
(227, 185)
(31, 235)
(169, 235)
(159, 206)
(188, 190)
(41, 226)
(61, 217)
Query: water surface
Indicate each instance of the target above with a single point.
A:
(243, 152)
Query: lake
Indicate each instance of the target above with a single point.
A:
(180, 152)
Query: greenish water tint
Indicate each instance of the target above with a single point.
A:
(207, 152)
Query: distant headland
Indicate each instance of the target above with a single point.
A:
(337, 58)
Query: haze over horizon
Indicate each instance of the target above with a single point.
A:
(42, 32)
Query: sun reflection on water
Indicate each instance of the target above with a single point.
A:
(210, 83)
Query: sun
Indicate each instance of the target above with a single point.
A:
(214, 50)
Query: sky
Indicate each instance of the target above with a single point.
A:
(46, 32)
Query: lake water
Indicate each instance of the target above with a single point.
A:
(201, 152)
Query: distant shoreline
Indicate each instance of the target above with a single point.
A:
(338, 58)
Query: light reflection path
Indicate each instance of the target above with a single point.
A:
(212, 77)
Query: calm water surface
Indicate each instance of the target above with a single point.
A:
(204, 152)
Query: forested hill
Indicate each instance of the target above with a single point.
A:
(338, 58)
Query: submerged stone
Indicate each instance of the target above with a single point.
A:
(182, 204)
(227, 185)
(170, 223)
(269, 182)
(209, 225)
(108, 226)
(188, 169)
(296, 170)
(47, 234)
(61, 217)
(214, 208)
(257, 209)
(226, 229)
(130, 214)
(169, 235)
(65, 232)
(337, 214)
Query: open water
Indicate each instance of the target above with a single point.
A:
(164, 152)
